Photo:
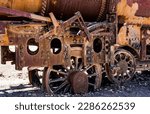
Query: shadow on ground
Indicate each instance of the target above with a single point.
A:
(139, 86)
(22, 90)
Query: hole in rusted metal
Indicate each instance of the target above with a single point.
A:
(12, 49)
(55, 46)
(32, 46)
(97, 45)
(74, 30)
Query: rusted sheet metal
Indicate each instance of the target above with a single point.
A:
(23, 14)
(31, 6)
(129, 12)
(64, 9)
(2, 28)
(3, 35)
(4, 40)
(79, 82)
(142, 8)
(92, 10)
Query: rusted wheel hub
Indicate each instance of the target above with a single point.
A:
(79, 82)
(59, 80)
(123, 68)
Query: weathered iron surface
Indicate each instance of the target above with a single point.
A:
(18, 13)
(2, 28)
(91, 10)
(32, 6)
(79, 82)
(144, 7)
(73, 53)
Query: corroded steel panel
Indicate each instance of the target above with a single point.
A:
(144, 7)
(90, 9)
(31, 6)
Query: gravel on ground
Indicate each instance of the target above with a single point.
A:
(16, 84)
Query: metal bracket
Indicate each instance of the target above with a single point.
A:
(78, 17)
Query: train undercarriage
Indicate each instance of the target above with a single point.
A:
(73, 55)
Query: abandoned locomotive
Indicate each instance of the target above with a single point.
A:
(68, 45)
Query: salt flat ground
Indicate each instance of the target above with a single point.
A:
(15, 84)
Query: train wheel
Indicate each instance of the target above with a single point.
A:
(75, 80)
(94, 73)
(124, 66)
(34, 78)
(56, 81)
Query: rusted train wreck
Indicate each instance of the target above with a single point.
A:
(68, 45)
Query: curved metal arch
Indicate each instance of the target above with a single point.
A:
(131, 50)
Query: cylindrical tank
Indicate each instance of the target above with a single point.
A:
(32, 6)
(91, 10)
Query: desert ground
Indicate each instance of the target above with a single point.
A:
(16, 84)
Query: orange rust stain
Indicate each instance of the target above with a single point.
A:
(123, 9)
(23, 5)
(127, 33)
(121, 40)
(139, 21)
(4, 40)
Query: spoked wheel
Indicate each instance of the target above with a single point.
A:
(124, 66)
(56, 81)
(34, 77)
(74, 79)
(94, 73)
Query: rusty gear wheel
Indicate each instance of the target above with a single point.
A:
(124, 67)
(56, 81)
